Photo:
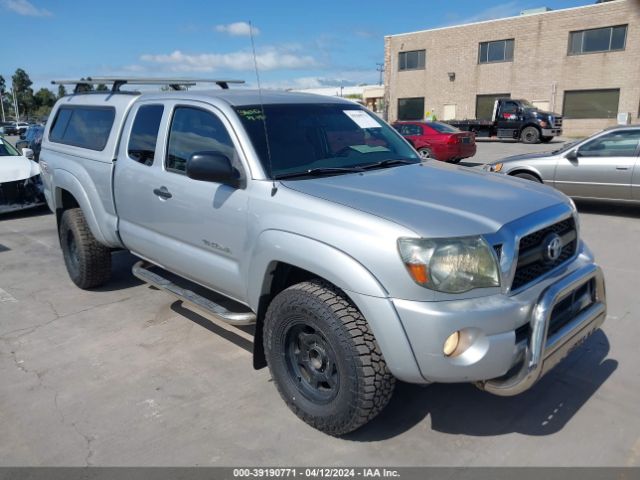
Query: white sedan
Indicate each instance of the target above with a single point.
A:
(20, 184)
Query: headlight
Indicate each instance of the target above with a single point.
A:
(450, 265)
(496, 167)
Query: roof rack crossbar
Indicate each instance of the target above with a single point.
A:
(117, 82)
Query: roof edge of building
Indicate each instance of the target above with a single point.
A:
(550, 12)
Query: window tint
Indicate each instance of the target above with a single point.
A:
(194, 130)
(498, 51)
(85, 127)
(615, 144)
(413, 60)
(597, 40)
(485, 103)
(409, 129)
(411, 108)
(591, 103)
(144, 134)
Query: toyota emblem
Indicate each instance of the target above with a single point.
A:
(552, 247)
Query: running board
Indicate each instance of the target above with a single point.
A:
(141, 271)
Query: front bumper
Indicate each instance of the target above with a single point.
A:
(506, 342)
(21, 194)
(551, 132)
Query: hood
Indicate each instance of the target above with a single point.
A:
(13, 168)
(524, 156)
(435, 199)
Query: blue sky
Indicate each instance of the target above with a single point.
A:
(298, 43)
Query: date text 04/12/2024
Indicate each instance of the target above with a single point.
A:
(315, 473)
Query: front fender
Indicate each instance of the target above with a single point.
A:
(345, 272)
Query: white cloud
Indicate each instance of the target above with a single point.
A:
(237, 29)
(271, 58)
(24, 7)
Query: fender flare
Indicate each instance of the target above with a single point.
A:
(346, 273)
(65, 180)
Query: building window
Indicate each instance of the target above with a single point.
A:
(413, 60)
(485, 103)
(597, 40)
(498, 51)
(591, 103)
(411, 108)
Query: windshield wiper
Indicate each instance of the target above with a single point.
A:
(319, 171)
(387, 163)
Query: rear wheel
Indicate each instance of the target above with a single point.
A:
(88, 261)
(530, 135)
(528, 176)
(324, 359)
(425, 153)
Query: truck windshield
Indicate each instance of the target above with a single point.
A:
(329, 139)
(6, 149)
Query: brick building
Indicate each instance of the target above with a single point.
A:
(583, 62)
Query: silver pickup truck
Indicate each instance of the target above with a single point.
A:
(311, 218)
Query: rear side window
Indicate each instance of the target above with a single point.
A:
(144, 134)
(85, 127)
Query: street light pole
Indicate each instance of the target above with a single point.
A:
(2, 105)
(15, 104)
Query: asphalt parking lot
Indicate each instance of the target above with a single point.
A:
(124, 375)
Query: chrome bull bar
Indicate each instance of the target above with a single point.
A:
(542, 352)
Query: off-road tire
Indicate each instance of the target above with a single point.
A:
(364, 385)
(528, 176)
(88, 261)
(530, 135)
(426, 153)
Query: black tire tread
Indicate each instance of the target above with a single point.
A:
(375, 380)
(95, 258)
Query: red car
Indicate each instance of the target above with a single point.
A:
(438, 140)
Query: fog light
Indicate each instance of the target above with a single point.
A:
(451, 343)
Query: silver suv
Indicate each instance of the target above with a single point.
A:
(310, 217)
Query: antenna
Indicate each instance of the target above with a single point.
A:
(274, 188)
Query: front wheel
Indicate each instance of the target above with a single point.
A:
(324, 359)
(530, 135)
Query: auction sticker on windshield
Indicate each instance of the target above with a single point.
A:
(362, 119)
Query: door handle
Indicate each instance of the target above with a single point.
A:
(162, 192)
(622, 167)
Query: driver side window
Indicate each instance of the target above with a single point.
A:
(615, 144)
(194, 130)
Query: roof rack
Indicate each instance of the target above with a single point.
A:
(117, 82)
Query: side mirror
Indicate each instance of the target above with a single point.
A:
(572, 155)
(27, 152)
(212, 167)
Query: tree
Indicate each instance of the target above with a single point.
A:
(102, 88)
(61, 91)
(23, 91)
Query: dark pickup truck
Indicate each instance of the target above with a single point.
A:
(515, 119)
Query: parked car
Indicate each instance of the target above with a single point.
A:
(438, 140)
(22, 127)
(603, 166)
(312, 219)
(32, 139)
(10, 128)
(20, 183)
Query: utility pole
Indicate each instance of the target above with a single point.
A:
(15, 104)
(380, 68)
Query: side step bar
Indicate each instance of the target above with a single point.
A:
(141, 271)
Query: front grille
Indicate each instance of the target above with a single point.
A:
(557, 122)
(531, 263)
(21, 193)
